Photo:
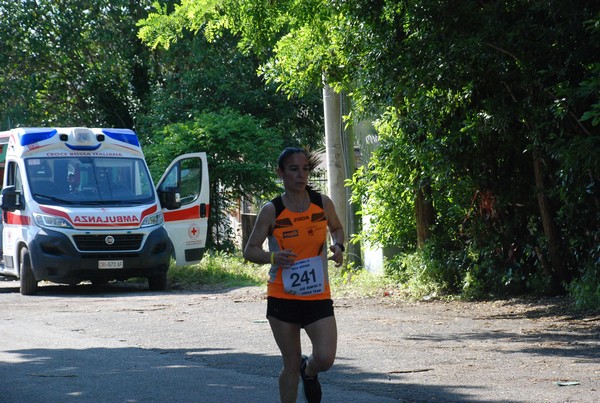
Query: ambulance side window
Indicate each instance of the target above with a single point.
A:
(171, 179)
(191, 174)
(186, 176)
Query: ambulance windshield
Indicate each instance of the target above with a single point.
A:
(89, 181)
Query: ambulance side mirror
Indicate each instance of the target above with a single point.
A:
(169, 198)
(11, 199)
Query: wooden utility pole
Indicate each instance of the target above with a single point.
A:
(334, 151)
(339, 145)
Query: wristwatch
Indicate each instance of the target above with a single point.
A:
(340, 246)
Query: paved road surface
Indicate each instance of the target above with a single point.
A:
(125, 344)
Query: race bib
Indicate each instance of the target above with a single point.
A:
(305, 277)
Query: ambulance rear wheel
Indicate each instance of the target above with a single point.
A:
(29, 284)
(158, 283)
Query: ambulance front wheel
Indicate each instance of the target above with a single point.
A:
(29, 284)
(158, 283)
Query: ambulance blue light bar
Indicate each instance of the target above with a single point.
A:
(32, 136)
(124, 135)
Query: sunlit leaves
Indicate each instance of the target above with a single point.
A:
(69, 62)
(240, 149)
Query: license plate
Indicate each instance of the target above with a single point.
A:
(110, 264)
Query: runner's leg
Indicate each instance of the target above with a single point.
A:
(287, 336)
(323, 336)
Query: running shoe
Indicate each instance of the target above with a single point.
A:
(311, 385)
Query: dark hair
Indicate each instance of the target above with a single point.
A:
(288, 151)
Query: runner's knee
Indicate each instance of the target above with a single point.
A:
(322, 361)
(292, 362)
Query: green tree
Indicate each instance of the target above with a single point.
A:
(71, 62)
(197, 78)
(193, 76)
(487, 104)
(241, 162)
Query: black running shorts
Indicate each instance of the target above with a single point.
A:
(302, 312)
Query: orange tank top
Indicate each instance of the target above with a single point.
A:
(305, 234)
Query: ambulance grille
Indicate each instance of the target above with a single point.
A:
(94, 243)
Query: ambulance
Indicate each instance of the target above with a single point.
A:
(78, 204)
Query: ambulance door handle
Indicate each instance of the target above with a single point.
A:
(203, 210)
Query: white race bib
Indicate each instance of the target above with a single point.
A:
(305, 277)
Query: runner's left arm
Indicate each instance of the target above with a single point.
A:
(335, 230)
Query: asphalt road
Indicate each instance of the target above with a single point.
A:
(122, 343)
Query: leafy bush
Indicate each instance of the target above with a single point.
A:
(241, 156)
(585, 290)
(417, 275)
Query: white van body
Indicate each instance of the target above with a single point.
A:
(78, 204)
(4, 136)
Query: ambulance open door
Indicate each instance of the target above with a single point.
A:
(187, 225)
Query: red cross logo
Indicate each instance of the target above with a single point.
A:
(193, 231)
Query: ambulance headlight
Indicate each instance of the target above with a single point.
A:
(51, 221)
(152, 220)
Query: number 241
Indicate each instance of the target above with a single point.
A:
(307, 277)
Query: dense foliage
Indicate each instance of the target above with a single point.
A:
(488, 125)
(485, 179)
(241, 162)
(493, 114)
(71, 63)
(193, 76)
(208, 97)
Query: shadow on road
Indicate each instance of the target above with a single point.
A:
(409, 353)
(85, 289)
(205, 375)
(112, 289)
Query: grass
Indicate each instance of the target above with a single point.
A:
(361, 283)
(222, 270)
(218, 269)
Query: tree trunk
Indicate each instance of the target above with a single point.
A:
(424, 213)
(555, 267)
